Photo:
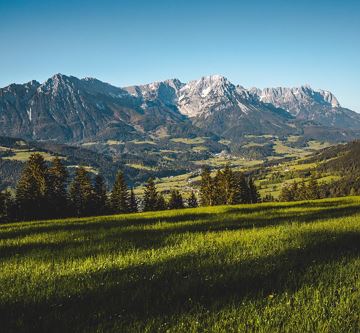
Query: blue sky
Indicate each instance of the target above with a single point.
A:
(124, 42)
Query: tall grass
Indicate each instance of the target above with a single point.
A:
(256, 268)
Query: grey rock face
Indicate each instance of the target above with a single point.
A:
(69, 109)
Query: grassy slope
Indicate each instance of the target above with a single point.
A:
(266, 268)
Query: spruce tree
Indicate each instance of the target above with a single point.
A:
(241, 189)
(120, 195)
(313, 189)
(150, 196)
(228, 186)
(302, 191)
(100, 196)
(206, 188)
(254, 196)
(218, 192)
(286, 193)
(176, 200)
(133, 205)
(57, 195)
(5, 203)
(192, 200)
(32, 188)
(81, 193)
(161, 203)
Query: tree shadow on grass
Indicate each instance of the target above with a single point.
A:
(107, 222)
(115, 232)
(178, 285)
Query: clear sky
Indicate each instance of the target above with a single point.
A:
(253, 43)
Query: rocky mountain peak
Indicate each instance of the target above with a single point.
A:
(296, 99)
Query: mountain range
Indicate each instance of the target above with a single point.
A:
(71, 110)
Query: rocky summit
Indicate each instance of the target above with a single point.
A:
(72, 110)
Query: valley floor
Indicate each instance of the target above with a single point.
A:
(277, 267)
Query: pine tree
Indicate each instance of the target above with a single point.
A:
(120, 195)
(241, 189)
(161, 203)
(133, 206)
(150, 196)
(228, 186)
(100, 196)
(176, 200)
(192, 200)
(31, 190)
(313, 189)
(5, 205)
(254, 196)
(56, 194)
(302, 192)
(81, 193)
(286, 193)
(218, 189)
(206, 188)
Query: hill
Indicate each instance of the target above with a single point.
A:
(261, 268)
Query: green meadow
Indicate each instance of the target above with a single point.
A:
(276, 267)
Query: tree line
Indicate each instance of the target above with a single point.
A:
(227, 188)
(44, 190)
(302, 191)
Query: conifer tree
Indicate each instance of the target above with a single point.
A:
(161, 203)
(254, 196)
(56, 193)
(228, 186)
(81, 193)
(150, 196)
(206, 188)
(286, 193)
(192, 200)
(241, 189)
(302, 192)
(218, 189)
(32, 187)
(294, 188)
(5, 205)
(313, 189)
(100, 196)
(133, 205)
(120, 195)
(176, 200)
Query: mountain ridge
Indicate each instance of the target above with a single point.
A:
(69, 109)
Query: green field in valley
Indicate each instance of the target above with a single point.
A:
(279, 267)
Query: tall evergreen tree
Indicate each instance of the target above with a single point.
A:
(287, 193)
(100, 196)
(254, 196)
(160, 202)
(218, 192)
(206, 188)
(56, 193)
(241, 192)
(313, 189)
(133, 205)
(176, 200)
(150, 196)
(301, 192)
(81, 193)
(192, 200)
(6, 205)
(228, 186)
(120, 195)
(32, 188)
